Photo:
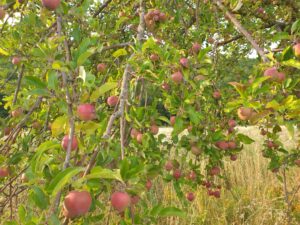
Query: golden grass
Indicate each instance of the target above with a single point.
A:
(255, 196)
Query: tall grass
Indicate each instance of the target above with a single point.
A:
(251, 194)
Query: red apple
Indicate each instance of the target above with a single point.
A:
(215, 171)
(135, 199)
(297, 162)
(165, 86)
(263, 132)
(231, 123)
(184, 62)
(169, 166)
(2, 13)
(112, 100)
(191, 175)
(261, 10)
(65, 141)
(231, 145)
(297, 49)
(233, 157)
(154, 129)
(196, 150)
(77, 203)
(154, 57)
(17, 112)
(190, 196)
(217, 194)
(245, 113)
(148, 185)
(217, 94)
(86, 112)
(196, 48)
(101, 67)
(7, 130)
(139, 138)
(162, 17)
(4, 172)
(172, 120)
(177, 77)
(16, 60)
(280, 77)
(230, 130)
(133, 133)
(222, 145)
(271, 144)
(120, 201)
(210, 192)
(177, 174)
(51, 4)
(271, 72)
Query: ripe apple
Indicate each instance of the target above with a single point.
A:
(191, 175)
(261, 10)
(297, 162)
(139, 138)
(196, 48)
(263, 132)
(230, 130)
(233, 157)
(165, 86)
(148, 185)
(7, 130)
(280, 77)
(215, 171)
(65, 141)
(169, 166)
(196, 150)
(244, 113)
(77, 203)
(17, 112)
(271, 72)
(217, 94)
(154, 129)
(112, 100)
(154, 57)
(207, 184)
(101, 67)
(16, 60)
(133, 133)
(177, 174)
(36, 125)
(120, 200)
(2, 13)
(4, 172)
(222, 145)
(217, 194)
(271, 144)
(190, 196)
(51, 4)
(162, 17)
(231, 145)
(172, 120)
(231, 123)
(184, 62)
(177, 77)
(86, 112)
(297, 49)
(134, 199)
(210, 192)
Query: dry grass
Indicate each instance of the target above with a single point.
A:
(255, 196)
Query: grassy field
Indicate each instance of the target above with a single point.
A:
(253, 195)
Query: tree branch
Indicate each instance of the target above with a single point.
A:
(20, 76)
(103, 6)
(241, 29)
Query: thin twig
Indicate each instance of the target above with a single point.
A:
(20, 76)
(103, 6)
(241, 29)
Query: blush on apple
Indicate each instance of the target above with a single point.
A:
(154, 129)
(101, 67)
(51, 4)
(65, 141)
(112, 101)
(297, 49)
(120, 201)
(177, 77)
(86, 112)
(245, 113)
(184, 62)
(4, 172)
(190, 196)
(177, 174)
(77, 203)
(172, 120)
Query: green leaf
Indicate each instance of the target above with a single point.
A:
(84, 56)
(296, 27)
(39, 197)
(52, 79)
(102, 90)
(62, 178)
(171, 211)
(35, 161)
(59, 125)
(245, 139)
(103, 173)
(293, 63)
(34, 81)
(149, 44)
(119, 52)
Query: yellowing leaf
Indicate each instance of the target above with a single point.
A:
(102, 90)
(3, 52)
(59, 125)
(119, 52)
